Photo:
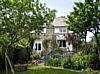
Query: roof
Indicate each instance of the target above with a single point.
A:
(59, 21)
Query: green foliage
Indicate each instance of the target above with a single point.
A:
(17, 19)
(45, 43)
(54, 62)
(35, 56)
(21, 51)
(44, 70)
(85, 61)
(23, 43)
(57, 60)
(84, 18)
(89, 47)
(4, 39)
(93, 39)
(67, 63)
(58, 48)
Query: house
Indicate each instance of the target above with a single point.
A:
(57, 31)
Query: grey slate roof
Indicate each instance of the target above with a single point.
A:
(59, 21)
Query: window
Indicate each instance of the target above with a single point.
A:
(37, 46)
(44, 30)
(68, 43)
(62, 43)
(62, 30)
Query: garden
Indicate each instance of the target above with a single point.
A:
(43, 70)
(18, 18)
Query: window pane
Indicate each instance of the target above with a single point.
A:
(36, 46)
(60, 43)
(60, 29)
(64, 30)
(64, 43)
(68, 43)
(39, 46)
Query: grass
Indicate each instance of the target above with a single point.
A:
(44, 70)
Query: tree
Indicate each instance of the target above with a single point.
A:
(18, 18)
(77, 21)
(84, 19)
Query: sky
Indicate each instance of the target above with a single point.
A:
(63, 7)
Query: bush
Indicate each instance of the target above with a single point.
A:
(23, 56)
(58, 58)
(67, 63)
(85, 61)
(54, 62)
(35, 56)
(59, 62)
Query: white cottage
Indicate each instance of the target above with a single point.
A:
(59, 30)
(62, 33)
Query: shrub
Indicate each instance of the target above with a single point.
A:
(54, 62)
(58, 58)
(67, 63)
(59, 62)
(58, 48)
(23, 56)
(35, 56)
(85, 61)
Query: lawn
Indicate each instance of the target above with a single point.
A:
(45, 70)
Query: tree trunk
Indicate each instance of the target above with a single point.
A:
(7, 58)
(98, 45)
(6, 65)
(86, 50)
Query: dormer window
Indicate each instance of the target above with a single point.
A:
(62, 30)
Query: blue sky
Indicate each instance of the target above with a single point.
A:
(63, 7)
